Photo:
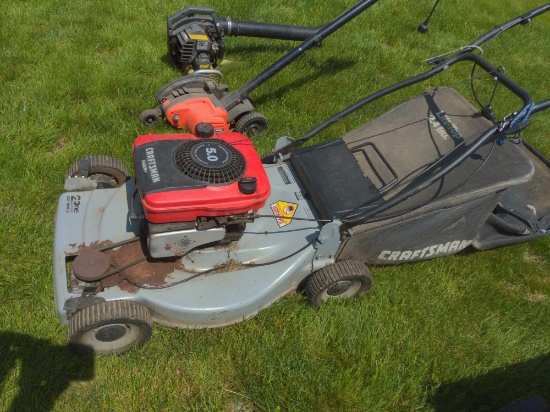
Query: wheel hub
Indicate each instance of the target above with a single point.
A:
(111, 333)
(104, 181)
(339, 287)
(252, 130)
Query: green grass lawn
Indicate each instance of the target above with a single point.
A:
(466, 332)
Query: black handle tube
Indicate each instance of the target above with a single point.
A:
(484, 64)
(523, 19)
(540, 106)
(234, 98)
(414, 189)
(265, 30)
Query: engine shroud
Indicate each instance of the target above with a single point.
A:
(181, 177)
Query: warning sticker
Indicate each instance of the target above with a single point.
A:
(284, 211)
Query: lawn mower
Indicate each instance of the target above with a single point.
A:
(199, 98)
(206, 234)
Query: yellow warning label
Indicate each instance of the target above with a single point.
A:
(198, 37)
(284, 211)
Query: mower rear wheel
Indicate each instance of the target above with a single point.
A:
(251, 124)
(109, 327)
(107, 171)
(149, 117)
(345, 279)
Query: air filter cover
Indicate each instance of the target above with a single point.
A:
(210, 161)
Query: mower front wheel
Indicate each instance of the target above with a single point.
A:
(345, 279)
(107, 171)
(251, 124)
(109, 327)
(150, 117)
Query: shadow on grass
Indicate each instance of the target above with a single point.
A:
(328, 68)
(44, 370)
(497, 389)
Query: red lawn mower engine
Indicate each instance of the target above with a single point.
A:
(197, 190)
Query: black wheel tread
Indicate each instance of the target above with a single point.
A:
(103, 313)
(100, 161)
(241, 123)
(103, 166)
(328, 275)
(107, 311)
(150, 117)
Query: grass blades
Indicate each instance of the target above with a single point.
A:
(465, 332)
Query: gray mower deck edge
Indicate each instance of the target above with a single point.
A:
(212, 300)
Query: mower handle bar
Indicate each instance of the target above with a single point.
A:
(234, 27)
(523, 19)
(440, 65)
(477, 59)
(540, 106)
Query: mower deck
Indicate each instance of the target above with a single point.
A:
(280, 255)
